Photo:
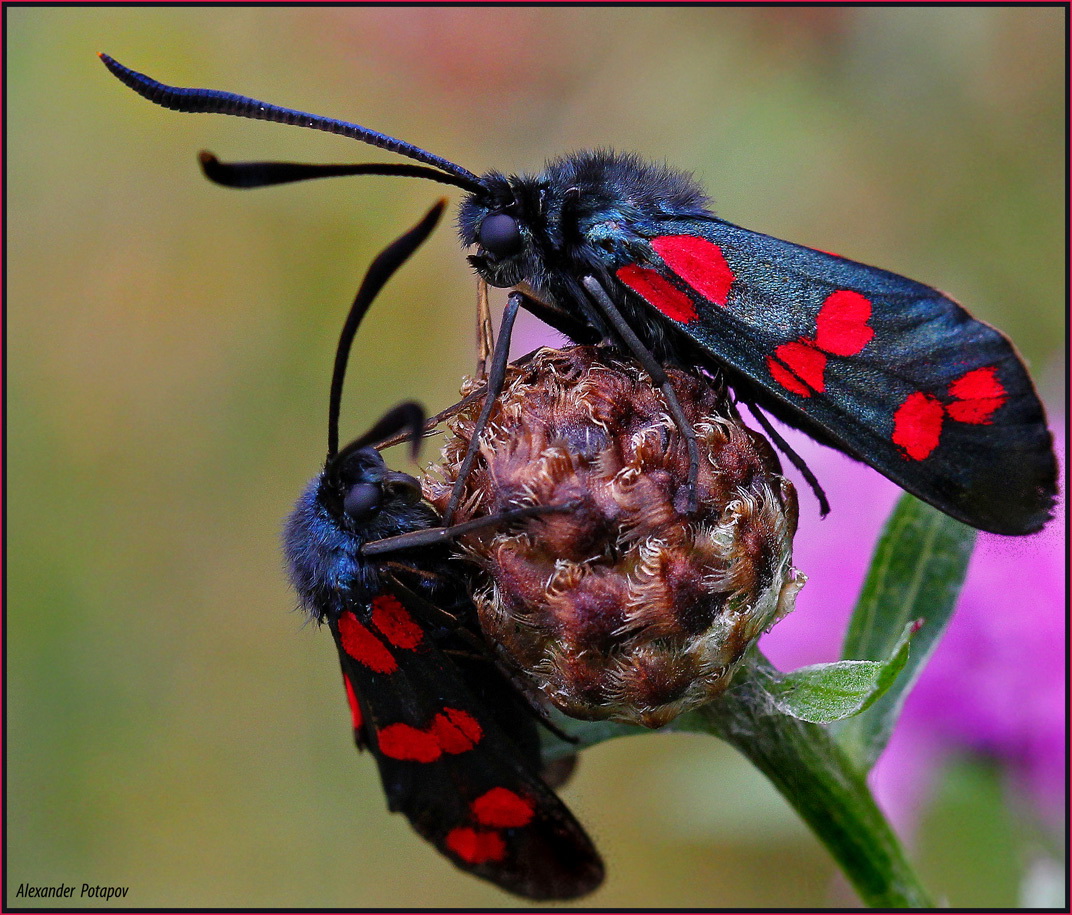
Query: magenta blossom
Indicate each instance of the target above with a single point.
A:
(995, 683)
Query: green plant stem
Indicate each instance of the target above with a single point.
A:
(825, 788)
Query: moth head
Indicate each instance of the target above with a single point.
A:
(499, 220)
(357, 487)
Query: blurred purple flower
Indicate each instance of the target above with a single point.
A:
(995, 684)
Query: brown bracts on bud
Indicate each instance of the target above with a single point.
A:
(622, 606)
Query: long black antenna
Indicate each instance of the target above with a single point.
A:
(266, 174)
(407, 417)
(379, 272)
(213, 101)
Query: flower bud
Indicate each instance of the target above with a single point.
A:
(622, 606)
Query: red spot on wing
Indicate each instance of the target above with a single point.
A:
(977, 412)
(476, 846)
(841, 325)
(405, 742)
(503, 809)
(361, 645)
(699, 263)
(917, 425)
(393, 620)
(977, 395)
(355, 706)
(658, 292)
(451, 731)
(978, 384)
(798, 367)
(456, 730)
(840, 330)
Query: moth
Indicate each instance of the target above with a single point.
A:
(456, 743)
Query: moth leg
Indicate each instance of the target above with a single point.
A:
(429, 536)
(485, 334)
(496, 379)
(658, 376)
(499, 350)
(395, 567)
(447, 412)
(795, 459)
(579, 331)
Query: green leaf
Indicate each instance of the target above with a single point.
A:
(916, 574)
(823, 693)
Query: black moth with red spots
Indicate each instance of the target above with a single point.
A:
(457, 745)
(885, 369)
(609, 247)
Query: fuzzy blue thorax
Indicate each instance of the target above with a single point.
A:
(322, 543)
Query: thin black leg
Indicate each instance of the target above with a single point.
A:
(430, 536)
(795, 459)
(496, 378)
(658, 376)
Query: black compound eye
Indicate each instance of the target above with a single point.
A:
(363, 501)
(500, 234)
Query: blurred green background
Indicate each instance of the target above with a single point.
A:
(172, 726)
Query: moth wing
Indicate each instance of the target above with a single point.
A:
(886, 369)
(447, 764)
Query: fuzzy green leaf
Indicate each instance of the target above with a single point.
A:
(822, 693)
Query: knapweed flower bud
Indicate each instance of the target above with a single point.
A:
(621, 606)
